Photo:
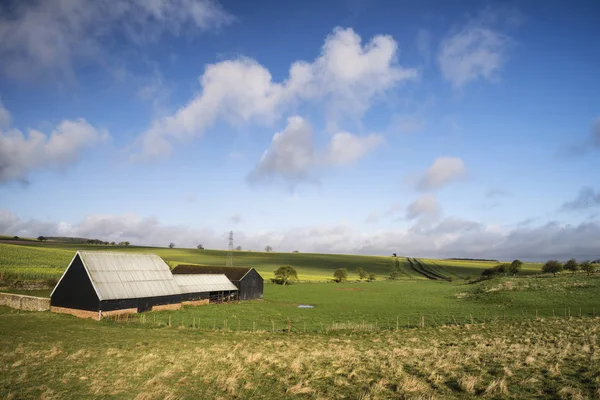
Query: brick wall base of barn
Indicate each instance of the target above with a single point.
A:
(195, 302)
(95, 315)
(22, 302)
(164, 307)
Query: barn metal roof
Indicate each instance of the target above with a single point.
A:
(233, 273)
(117, 275)
(196, 283)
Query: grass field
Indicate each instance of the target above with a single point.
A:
(51, 356)
(35, 260)
(530, 336)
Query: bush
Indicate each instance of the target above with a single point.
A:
(552, 267)
(572, 265)
(284, 274)
(588, 267)
(362, 274)
(394, 275)
(515, 267)
(371, 277)
(340, 275)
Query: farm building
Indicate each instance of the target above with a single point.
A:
(246, 279)
(97, 284)
(199, 289)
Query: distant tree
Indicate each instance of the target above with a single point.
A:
(552, 267)
(200, 247)
(340, 275)
(371, 277)
(394, 254)
(239, 248)
(285, 273)
(106, 243)
(171, 245)
(112, 243)
(268, 249)
(15, 237)
(588, 267)
(515, 267)
(362, 274)
(572, 265)
(394, 275)
(42, 238)
(295, 251)
(126, 243)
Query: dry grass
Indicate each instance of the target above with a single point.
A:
(555, 359)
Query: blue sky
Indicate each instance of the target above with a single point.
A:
(441, 128)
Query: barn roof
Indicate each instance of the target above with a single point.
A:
(117, 275)
(233, 273)
(196, 283)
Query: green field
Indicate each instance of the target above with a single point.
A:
(532, 336)
(36, 260)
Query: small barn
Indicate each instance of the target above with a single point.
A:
(248, 282)
(199, 289)
(97, 284)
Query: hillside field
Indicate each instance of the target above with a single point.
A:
(30, 260)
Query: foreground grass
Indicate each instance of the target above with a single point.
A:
(56, 356)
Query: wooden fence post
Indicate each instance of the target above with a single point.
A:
(169, 320)
(272, 326)
(396, 323)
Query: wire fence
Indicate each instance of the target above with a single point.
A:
(309, 325)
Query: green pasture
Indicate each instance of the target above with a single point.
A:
(30, 260)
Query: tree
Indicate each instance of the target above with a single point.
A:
(112, 243)
(15, 237)
(126, 243)
(285, 273)
(552, 267)
(200, 247)
(572, 265)
(588, 267)
(268, 249)
(371, 277)
(362, 274)
(394, 254)
(239, 248)
(340, 275)
(171, 245)
(515, 267)
(42, 238)
(394, 275)
(502, 268)
(295, 251)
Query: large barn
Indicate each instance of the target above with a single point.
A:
(201, 289)
(246, 279)
(97, 284)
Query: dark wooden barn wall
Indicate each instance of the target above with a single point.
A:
(75, 290)
(142, 304)
(251, 286)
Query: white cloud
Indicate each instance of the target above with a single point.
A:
(48, 37)
(346, 148)
(443, 171)
(4, 116)
(21, 154)
(346, 77)
(293, 157)
(473, 51)
(451, 237)
(425, 206)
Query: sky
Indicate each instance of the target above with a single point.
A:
(428, 129)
